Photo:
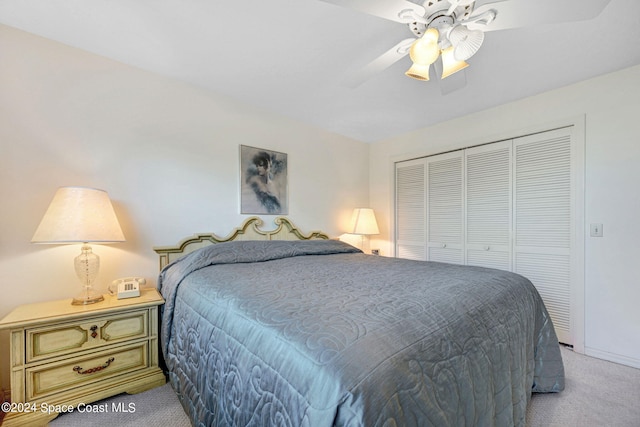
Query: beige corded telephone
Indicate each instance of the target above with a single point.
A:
(127, 287)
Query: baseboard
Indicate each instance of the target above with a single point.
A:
(612, 357)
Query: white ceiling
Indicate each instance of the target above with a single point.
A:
(289, 56)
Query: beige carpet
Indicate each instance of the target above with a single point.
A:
(597, 394)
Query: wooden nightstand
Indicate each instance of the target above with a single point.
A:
(65, 355)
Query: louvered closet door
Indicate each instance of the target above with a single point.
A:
(411, 235)
(543, 223)
(445, 208)
(488, 206)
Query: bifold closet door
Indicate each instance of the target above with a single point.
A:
(411, 235)
(445, 208)
(488, 205)
(543, 220)
(508, 205)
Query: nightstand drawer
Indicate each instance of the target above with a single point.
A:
(57, 377)
(66, 338)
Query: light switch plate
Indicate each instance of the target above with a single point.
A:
(596, 230)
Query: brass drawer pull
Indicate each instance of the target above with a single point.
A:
(93, 330)
(79, 370)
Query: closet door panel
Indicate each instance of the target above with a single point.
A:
(488, 205)
(551, 274)
(411, 234)
(445, 208)
(543, 221)
(489, 258)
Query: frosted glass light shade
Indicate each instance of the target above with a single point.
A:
(418, 72)
(425, 51)
(363, 221)
(450, 64)
(79, 215)
(466, 42)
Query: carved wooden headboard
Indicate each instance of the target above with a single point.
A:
(249, 230)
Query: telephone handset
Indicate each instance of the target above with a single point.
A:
(127, 287)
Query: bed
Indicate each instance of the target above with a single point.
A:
(283, 328)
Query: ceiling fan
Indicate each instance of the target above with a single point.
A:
(446, 33)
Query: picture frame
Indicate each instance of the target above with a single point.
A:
(263, 181)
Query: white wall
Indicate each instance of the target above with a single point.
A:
(611, 106)
(166, 152)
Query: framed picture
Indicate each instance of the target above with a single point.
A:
(263, 181)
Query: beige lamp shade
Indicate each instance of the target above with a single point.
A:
(363, 221)
(79, 215)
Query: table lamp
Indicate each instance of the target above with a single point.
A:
(81, 215)
(363, 222)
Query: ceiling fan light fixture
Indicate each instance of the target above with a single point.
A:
(418, 72)
(450, 64)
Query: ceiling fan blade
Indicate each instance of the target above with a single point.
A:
(454, 82)
(381, 63)
(393, 10)
(524, 13)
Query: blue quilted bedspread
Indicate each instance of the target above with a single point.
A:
(315, 333)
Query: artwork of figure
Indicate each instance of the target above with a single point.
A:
(263, 181)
